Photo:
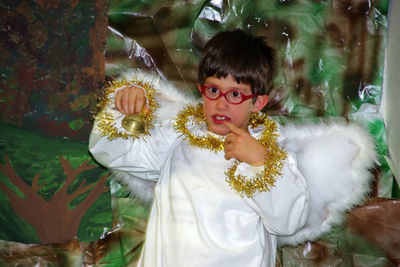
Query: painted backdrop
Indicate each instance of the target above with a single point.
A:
(55, 57)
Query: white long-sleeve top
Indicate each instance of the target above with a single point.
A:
(196, 218)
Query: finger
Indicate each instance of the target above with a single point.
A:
(118, 102)
(230, 138)
(132, 102)
(227, 155)
(125, 103)
(140, 100)
(234, 129)
(228, 147)
(229, 150)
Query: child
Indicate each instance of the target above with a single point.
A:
(225, 188)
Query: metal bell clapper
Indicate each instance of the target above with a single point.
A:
(134, 123)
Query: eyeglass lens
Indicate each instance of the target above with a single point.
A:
(231, 96)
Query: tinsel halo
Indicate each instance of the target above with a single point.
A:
(243, 185)
(106, 118)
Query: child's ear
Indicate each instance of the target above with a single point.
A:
(261, 102)
(198, 87)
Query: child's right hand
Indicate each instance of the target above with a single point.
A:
(131, 100)
(239, 144)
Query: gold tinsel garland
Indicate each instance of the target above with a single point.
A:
(244, 185)
(105, 119)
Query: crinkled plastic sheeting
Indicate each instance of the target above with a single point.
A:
(330, 65)
(330, 53)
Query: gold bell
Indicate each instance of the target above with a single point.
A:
(133, 123)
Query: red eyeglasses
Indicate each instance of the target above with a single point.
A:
(232, 96)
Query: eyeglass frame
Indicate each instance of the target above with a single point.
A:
(244, 97)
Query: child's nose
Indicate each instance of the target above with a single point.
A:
(222, 103)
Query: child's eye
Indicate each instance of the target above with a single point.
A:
(213, 90)
(236, 94)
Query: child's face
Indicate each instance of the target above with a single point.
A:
(220, 110)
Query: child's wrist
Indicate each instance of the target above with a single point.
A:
(259, 162)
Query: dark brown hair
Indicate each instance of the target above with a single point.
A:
(247, 58)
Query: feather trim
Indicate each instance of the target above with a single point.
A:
(139, 189)
(336, 160)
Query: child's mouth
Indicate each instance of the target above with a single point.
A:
(218, 119)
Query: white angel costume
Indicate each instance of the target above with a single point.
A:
(208, 211)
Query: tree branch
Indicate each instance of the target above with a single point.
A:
(91, 198)
(35, 183)
(71, 175)
(8, 170)
(9, 193)
(81, 189)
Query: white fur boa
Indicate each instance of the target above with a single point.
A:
(334, 157)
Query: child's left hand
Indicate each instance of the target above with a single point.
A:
(239, 144)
